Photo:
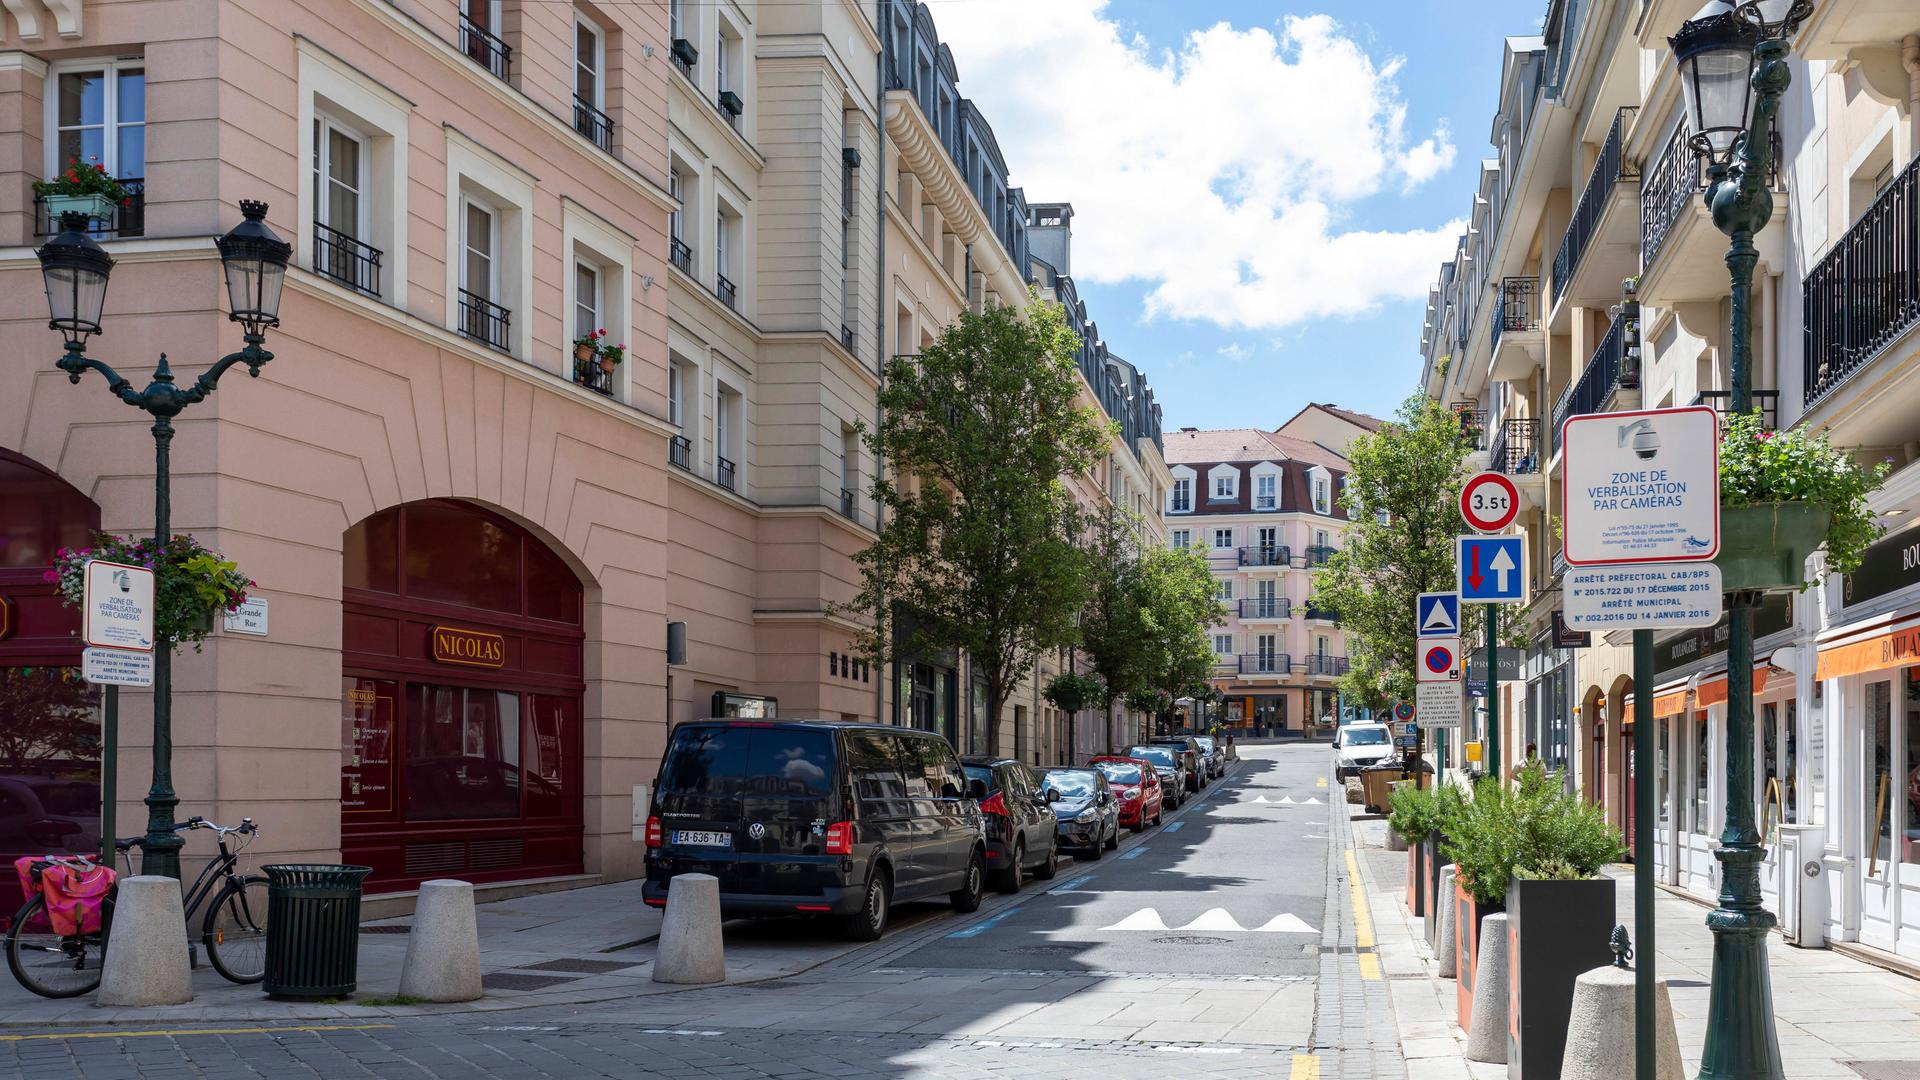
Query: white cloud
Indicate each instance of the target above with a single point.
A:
(1233, 350)
(1223, 172)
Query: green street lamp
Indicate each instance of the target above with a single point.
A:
(1733, 71)
(75, 270)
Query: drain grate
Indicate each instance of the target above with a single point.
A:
(582, 967)
(1681, 984)
(386, 929)
(506, 980)
(1191, 939)
(1885, 1070)
(1050, 950)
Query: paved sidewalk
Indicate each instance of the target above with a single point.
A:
(1830, 1010)
(566, 948)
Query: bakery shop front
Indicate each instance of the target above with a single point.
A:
(461, 699)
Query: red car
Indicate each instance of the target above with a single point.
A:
(1137, 786)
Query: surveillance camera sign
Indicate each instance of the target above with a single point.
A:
(1641, 487)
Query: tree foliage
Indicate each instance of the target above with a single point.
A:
(978, 552)
(1410, 471)
(50, 719)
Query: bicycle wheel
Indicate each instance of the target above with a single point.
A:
(45, 962)
(235, 932)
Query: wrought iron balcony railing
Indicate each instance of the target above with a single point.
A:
(1266, 502)
(346, 260)
(485, 47)
(731, 107)
(591, 375)
(1326, 665)
(1866, 293)
(1265, 555)
(681, 255)
(1473, 425)
(1323, 614)
(1671, 187)
(1518, 308)
(685, 56)
(1318, 554)
(723, 473)
(484, 321)
(1589, 393)
(1612, 167)
(849, 508)
(1266, 607)
(846, 337)
(1516, 450)
(680, 452)
(1767, 401)
(1265, 663)
(129, 218)
(594, 124)
(725, 289)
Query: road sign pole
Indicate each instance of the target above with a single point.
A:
(109, 775)
(1493, 685)
(1645, 808)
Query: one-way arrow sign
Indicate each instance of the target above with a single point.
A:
(1490, 569)
(1437, 614)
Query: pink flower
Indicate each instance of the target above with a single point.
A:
(50, 577)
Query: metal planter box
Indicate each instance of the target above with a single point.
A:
(1556, 930)
(1467, 913)
(1417, 878)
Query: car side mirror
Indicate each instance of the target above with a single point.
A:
(948, 791)
(1052, 796)
(976, 789)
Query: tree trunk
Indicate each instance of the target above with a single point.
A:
(1109, 728)
(996, 701)
(1073, 731)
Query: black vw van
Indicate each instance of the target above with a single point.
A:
(799, 817)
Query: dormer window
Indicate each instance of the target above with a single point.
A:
(1223, 484)
(1266, 492)
(1182, 500)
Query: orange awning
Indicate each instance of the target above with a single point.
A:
(1891, 649)
(1712, 691)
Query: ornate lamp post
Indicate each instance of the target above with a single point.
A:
(1733, 70)
(75, 270)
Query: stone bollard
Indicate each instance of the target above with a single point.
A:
(146, 961)
(1600, 1029)
(1446, 943)
(1487, 1038)
(1395, 842)
(690, 944)
(443, 951)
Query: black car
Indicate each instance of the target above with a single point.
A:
(1018, 811)
(824, 818)
(1171, 764)
(1088, 812)
(1194, 757)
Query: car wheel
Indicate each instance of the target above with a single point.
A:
(1113, 842)
(973, 888)
(870, 921)
(1139, 823)
(1008, 879)
(1046, 870)
(1092, 853)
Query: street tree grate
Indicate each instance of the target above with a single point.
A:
(506, 980)
(386, 929)
(581, 967)
(1191, 939)
(1051, 950)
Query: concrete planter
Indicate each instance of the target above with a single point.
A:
(1467, 915)
(1557, 930)
(1766, 545)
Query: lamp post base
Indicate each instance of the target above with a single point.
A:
(1742, 1043)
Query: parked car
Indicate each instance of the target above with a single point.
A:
(42, 815)
(1216, 753)
(1088, 812)
(1356, 746)
(823, 818)
(1196, 759)
(1171, 764)
(1022, 832)
(1136, 783)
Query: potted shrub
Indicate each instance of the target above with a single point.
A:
(1784, 494)
(1559, 913)
(191, 583)
(84, 188)
(1412, 815)
(611, 355)
(1481, 843)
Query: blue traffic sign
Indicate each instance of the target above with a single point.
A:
(1437, 614)
(1493, 569)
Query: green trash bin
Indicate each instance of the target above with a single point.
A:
(313, 929)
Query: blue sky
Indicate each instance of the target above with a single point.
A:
(1262, 189)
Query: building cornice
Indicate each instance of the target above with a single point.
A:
(817, 616)
(921, 149)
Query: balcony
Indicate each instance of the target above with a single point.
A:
(1322, 614)
(731, 107)
(485, 48)
(1225, 665)
(685, 56)
(1597, 383)
(1266, 502)
(1519, 344)
(1600, 249)
(1276, 555)
(592, 376)
(727, 291)
(1865, 294)
(846, 337)
(680, 453)
(1318, 555)
(129, 218)
(1266, 663)
(594, 124)
(346, 260)
(484, 321)
(680, 255)
(724, 473)
(1682, 255)
(849, 505)
(1516, 449)
(1325, 666)
(1473, 425)
(1721, 401)
(1266, 607)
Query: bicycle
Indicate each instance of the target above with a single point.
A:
(234, 928)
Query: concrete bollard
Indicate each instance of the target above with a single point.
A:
(1395, 842)
(146, 962)
(690, 948)
(1487, 1038)
(1600, 1029)
(1446, 943)
(443, 951)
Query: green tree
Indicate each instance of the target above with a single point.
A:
(1116, 631)
(1410, 471)
(1182, 609)
(977, 433)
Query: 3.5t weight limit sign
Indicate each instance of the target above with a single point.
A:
(1489, 502)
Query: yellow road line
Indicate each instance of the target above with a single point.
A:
(1320, 782)
(1305, 1067)
(1370, 967)
(1362, 922)
(170, 1033)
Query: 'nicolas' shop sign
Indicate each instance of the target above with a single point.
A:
(468, 648)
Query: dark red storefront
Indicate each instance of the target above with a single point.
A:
(49, 718)
(461, 704)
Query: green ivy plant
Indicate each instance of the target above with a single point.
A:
(1761, 465)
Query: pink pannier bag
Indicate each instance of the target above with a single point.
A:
(75, 890)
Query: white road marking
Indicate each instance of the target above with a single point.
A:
(1144, 919)
(1213, 920)
(1287, 923)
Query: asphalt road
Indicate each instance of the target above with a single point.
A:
(1221, 945)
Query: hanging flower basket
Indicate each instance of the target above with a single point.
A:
(191, 583)
(84, 187)
(1765, 546)
(1784, 494)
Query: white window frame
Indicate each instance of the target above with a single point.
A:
(676, 20)
(595, 65)
(1223, 483)
(590, 306)
(110, 123)
(322, 159)
(1266, 491)
(722, 262)
(343, 95)
(1223, 589)
(1182, 539)
(1223, 534)
(676, 218)
(491, 293)
(476, 173)
(1220, 640)
(595, 242)
(1182, 485)
(676, 392)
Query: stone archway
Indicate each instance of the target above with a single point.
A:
(1593, 746)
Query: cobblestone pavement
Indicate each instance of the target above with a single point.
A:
(1049, 990)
